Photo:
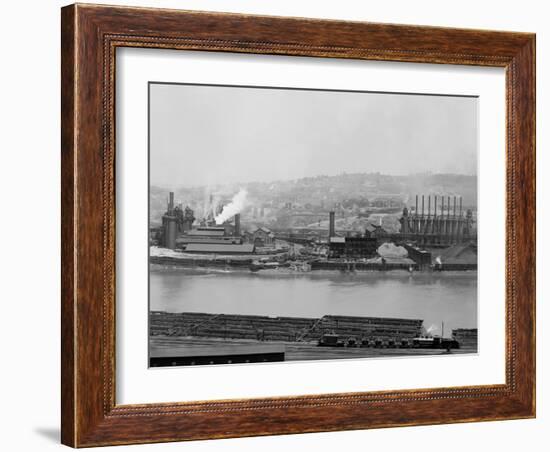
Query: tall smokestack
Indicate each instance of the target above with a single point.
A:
(237, 225)
(169, 224)
(422, 205)
(171, 203)
(454, 226)
(331, 225)
(422, 220)
(454, 206)
(460, 223)
(430, 222)
(416, 220)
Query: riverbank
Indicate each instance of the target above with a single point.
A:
(244, 263)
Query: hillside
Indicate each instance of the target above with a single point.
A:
(281, 203)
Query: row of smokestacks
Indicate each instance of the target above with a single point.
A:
(444, 224)
(438, 224)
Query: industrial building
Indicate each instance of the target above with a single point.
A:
(263, 237)
(437, 235)
(350, 247)
(177, 231)
(175, 221)
(184, 240)
(207, 235)
(447, 226)
(458, 255)
(375, 231)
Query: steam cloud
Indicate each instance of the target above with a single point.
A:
(431, 329)
(236, 205)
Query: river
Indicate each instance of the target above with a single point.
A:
(449, 297)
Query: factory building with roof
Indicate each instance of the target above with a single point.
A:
(177, 231)
(263, 237)
(182, 241)
(219, 248)
(207, 232)
(350, 247)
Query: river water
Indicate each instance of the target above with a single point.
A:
(449, 297)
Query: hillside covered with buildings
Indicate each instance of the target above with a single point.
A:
(359, 200)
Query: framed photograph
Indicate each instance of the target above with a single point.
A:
(281, 225)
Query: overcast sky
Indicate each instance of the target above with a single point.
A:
(207, 135)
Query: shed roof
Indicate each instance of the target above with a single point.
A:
(465, 253)
(207, 239)
(207, 232)
(229, 248)
(264, 229)
(337, 240)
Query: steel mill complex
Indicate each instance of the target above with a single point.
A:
(436, 234)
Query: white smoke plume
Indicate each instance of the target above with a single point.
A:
(431, 329)
(237, 204)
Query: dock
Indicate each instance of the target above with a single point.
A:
(293, 351)
(183, 353)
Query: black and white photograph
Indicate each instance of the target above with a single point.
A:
(291, 224)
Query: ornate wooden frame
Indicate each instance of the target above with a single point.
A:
(90, 35)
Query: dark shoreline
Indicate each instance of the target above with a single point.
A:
(244, 264)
